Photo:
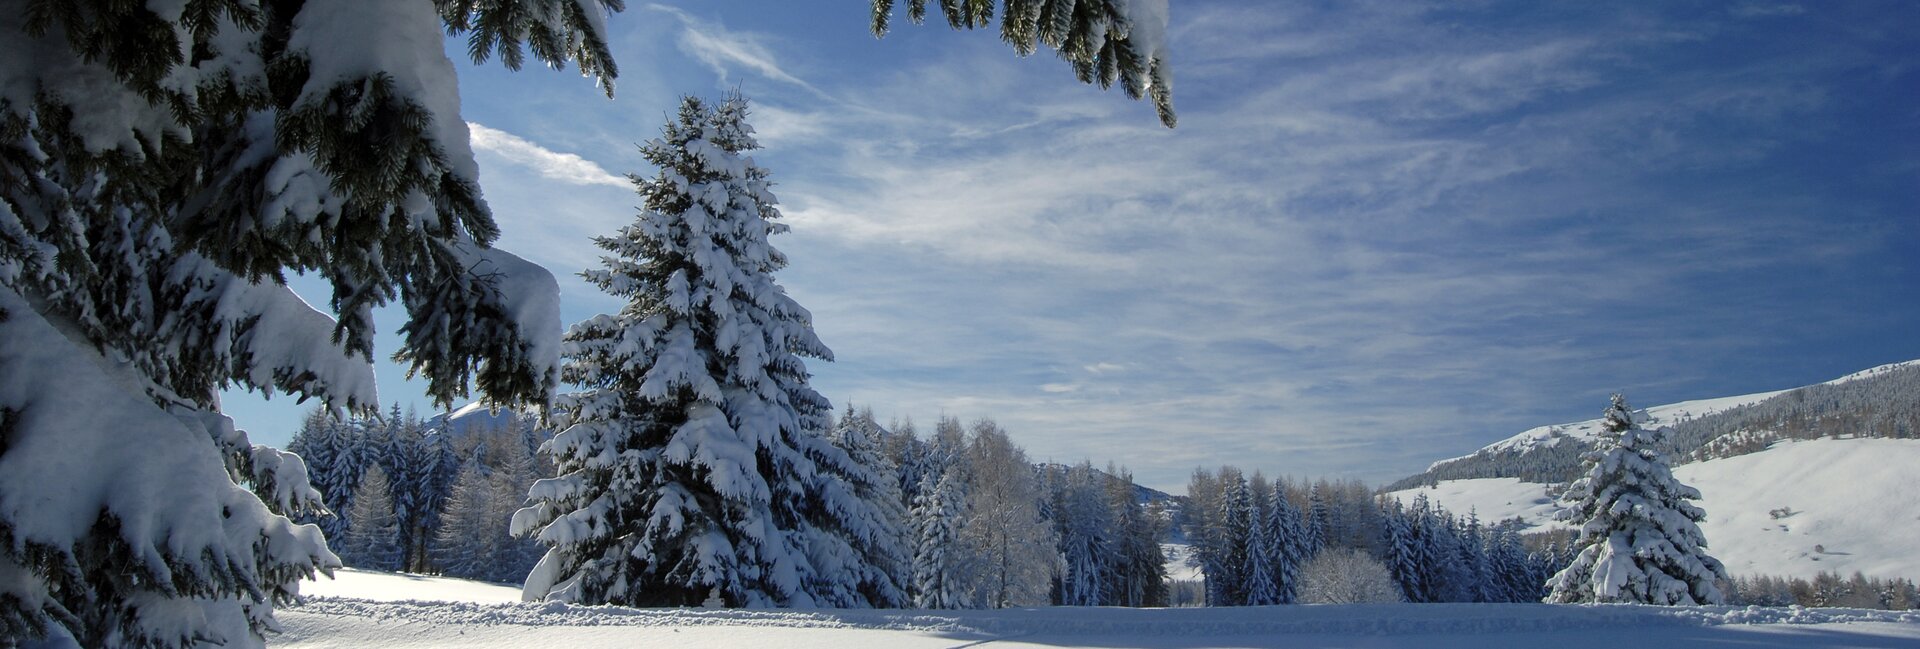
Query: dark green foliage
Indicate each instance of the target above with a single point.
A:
(1093, 36)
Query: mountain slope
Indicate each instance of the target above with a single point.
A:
(1880, 402)
(1851, 504)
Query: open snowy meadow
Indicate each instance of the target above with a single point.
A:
(370, 609)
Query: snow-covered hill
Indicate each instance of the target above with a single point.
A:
(1854, 505)
(1664, 415)
(376, 610)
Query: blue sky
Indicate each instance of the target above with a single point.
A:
(1384, 233)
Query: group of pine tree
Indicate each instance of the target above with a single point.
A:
(165, 165)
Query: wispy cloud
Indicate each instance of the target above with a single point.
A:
(721, 49)
(1765, 10)
(1352, 266)
(552, 165)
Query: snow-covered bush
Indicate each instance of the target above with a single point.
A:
(1346, 576)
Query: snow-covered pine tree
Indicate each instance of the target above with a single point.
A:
(1399, 551)
(373, 540)
(442, 466)
(1289, 533)
(886, 561)
(333, 464)
(1319, 521)
(1510, 572)
(1140, 567)
(939, 561)
(1264, 552)
(1086, 535)
(1236, 522)
(404, 458)
(1640, 539)
(1433, 548)
(694, 462)
(1471, 561)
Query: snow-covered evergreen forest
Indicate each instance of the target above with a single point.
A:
(166, 166)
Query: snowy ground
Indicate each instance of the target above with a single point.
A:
(377, 610)
(1855, 505)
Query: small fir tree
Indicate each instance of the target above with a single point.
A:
(1640, 539)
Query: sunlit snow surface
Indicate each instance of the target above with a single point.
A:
(340, 622)
(1854, 504)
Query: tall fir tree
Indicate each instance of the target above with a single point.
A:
(939, 561)
(1236, 522)
(332, 455)
(1319, 523)
(885, 559)
(1640, 539)
(721, 482)
(1264, 552)
(1290, 545)
(1084, 527)
(1399, 549)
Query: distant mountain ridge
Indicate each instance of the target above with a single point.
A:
(1881, 402)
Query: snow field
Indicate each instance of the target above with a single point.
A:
(328, 622)
(1855, 505)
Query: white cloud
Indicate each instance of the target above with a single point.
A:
(720, 49)
(1767, 10)
(552, 165)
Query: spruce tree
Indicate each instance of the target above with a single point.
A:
(1639, 538)
(1319, 522)
(1264, 552)
(694, 462)
(1398, 549)
(1086, 537)
(885, 559)
(1289, 534)
(333, 464)
(1236, 520)
(939, 561)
